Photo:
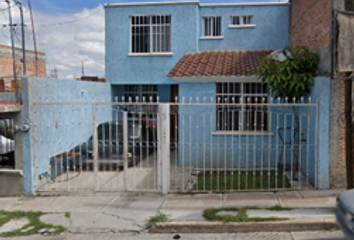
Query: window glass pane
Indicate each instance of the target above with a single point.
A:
(161, 34)
(217, 26)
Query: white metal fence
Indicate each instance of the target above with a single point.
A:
(255, 144)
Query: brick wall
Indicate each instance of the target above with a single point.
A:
(311, 24)
(6, 65)
(311, 27)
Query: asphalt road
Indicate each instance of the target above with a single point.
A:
(323, 235)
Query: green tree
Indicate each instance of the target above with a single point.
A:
(292, 78)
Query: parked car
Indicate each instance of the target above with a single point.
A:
(7, 144)
(141, 142)
(345, 213)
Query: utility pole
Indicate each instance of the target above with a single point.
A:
(23, 39)
(13, 51)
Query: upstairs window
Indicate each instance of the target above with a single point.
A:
(239, 21)
(150, 34)
(212, 27)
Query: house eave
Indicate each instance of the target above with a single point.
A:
(194, 79)
(194, 2)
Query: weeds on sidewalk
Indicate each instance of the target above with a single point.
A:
(31, 228)
(67, 215)
(157, 219)
(239, 216)
(278, 207)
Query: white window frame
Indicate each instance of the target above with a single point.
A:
(241, 95)
(151, 25)
(241, 24)
(213, 19)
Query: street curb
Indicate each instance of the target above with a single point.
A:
(218, 227)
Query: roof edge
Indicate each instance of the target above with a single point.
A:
(223, 78)
(194, 2)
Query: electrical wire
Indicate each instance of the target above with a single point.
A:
(5, 9)
(69, 22)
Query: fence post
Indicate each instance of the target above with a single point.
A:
(95, 147)
(125, 149)
(163, 152)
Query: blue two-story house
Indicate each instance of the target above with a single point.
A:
(145, 41)
(189, 51)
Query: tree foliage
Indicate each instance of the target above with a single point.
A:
(292, 78)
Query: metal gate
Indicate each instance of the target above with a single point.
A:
(261, 144)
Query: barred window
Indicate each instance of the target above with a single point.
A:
(150, 34)
(241, 117)
(211, 26)
(140, 91)
(241, 20)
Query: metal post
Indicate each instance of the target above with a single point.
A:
(125, 149)
(23, 39)
(95, 146)
(348, 133)
(164, 148)
(13, 51)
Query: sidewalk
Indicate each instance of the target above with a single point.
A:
(129, 212)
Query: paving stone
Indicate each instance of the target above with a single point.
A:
(56, 219)
(13, 225)
(139, 210)
(322, 193)
(43, 230)
(289, 194)
(80, 204)
(261, 200)
(324, 202)
(34, 204)
(179, 215)
(227, 213)
(196, 202)
(27, 229)
(6, 203)
(99, 222)
(293, 214)
(323, 235)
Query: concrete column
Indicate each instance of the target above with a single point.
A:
(163, 132)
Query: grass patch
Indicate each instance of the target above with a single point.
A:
(67, 215)
(278, 207)
(242, 216)
(34, 222)
(233, 180)
(157, 219)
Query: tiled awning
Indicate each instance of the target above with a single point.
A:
(219, 64)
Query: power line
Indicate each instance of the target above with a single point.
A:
(69, 22)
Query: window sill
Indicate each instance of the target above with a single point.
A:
(243, 26)
(164, 54)
(250, 133)
(212, 38)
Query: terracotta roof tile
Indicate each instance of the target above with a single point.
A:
(219, 63)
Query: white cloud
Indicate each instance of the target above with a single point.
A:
(66, 45)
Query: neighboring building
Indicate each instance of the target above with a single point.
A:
(33, 67)
(311, 26)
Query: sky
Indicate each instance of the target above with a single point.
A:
(69, 32)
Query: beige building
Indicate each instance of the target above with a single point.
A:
(33, 67)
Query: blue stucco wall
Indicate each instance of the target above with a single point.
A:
(321, 92)
(270, 33)
(123, 69)
(58, 127)
(199, 147)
